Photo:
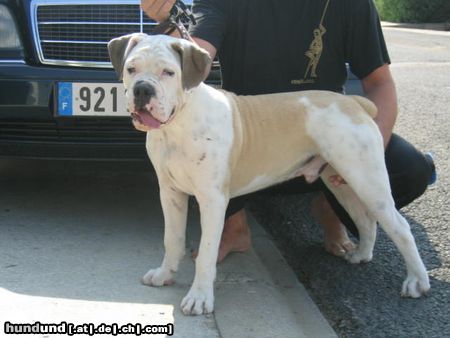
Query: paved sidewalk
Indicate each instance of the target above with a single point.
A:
(76, 239)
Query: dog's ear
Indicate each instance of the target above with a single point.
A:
(195, 63)
(120, 47)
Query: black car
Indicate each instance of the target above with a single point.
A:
(59, 97)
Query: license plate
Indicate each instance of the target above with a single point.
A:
(91, 99)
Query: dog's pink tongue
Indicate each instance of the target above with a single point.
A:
(148, 120)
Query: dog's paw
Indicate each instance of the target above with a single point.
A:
(358, 256)
(198, 301)
(157, 277)
(415, 287)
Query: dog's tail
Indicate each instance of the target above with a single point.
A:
(367, 105)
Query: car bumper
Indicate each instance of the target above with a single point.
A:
(29, 127)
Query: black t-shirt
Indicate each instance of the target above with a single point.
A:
(267, 46)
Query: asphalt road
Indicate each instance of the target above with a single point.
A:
(364, 300)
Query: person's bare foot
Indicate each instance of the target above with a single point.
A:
(236, 236)
(336, 240)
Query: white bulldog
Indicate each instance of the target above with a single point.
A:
(215, 145)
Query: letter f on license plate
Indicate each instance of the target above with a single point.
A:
(91, 99)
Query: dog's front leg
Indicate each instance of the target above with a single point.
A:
(174, 204)
(200, 298)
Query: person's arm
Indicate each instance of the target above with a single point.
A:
(368, 57)
(380, 88)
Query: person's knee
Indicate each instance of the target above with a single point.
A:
(417, 178)
(410, 171)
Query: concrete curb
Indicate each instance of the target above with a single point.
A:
(311, 320)
(258, 295)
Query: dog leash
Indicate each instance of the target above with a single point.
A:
(180, 15)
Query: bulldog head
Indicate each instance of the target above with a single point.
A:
(156, 71)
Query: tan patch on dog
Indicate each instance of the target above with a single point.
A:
(258, 118)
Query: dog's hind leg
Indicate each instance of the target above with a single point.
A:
(365, 223)
(355, 150)
(174, 204)
(398, 229)
(371, 185)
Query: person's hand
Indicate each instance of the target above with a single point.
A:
(334, 179)
(158, 10)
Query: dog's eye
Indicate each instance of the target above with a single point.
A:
(168, 72)
(131, 70)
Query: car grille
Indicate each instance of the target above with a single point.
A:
(87, 130)
(81, 138)
(76, 32)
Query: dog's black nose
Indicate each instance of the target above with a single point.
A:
(143, 92)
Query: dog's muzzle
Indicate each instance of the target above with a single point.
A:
(143, 93)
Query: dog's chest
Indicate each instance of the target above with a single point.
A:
(169, 159)
(195, 158)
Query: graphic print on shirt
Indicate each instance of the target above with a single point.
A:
(314, 52)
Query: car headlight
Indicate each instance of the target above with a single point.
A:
(9, 37)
